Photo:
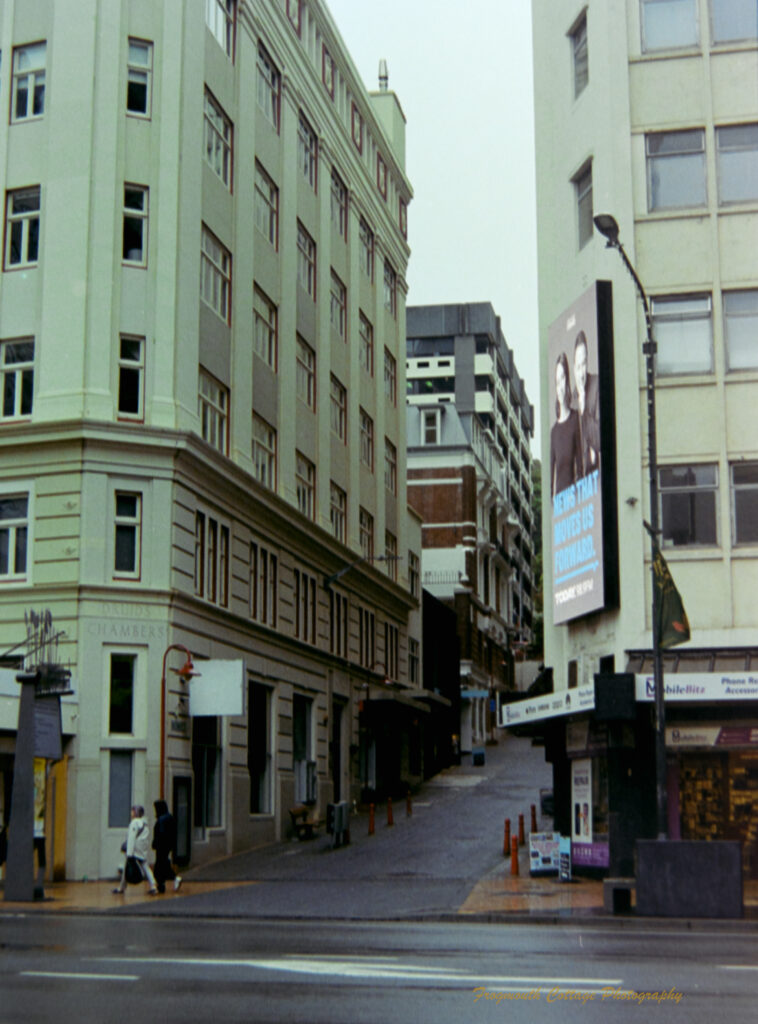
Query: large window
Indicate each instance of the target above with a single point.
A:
(338, 619)
(131, 377)
(741, 329)
(265, 328)
(366, 638)
(338, 409)
(390, 377)
(745, 502)
(264, 453)
(390, 466)
(22, 226)
(381, 175)
(216, 275)
(218, 140)
(269, 88)
(307, 150)
(683, 330)
(211, 559)
(737, 160)
(430, 426)
(305, 606)
(338, 305)
(213, 411)
(119, 788)
(121, 702)
(367, 440)
(136, 204)
(303, 765)
(305, 485)
(208, 771)
(390, 288)
(366, 354)
(266, 203)
(583, 193)
(390, 554)
(414, 574)
(305, 375)
(734, 20)
(259, 748)
(306, 261)
(14, 532)
(328, 70)
(669, 24)
(366, 533)
(688, 496)
(17, 370)
(391, 650)
(675, 169)
(219, 16)
(128, 535)
(28, 98)
(139, 77)
(264, 584)
(337, 511)
(338, 206)
(414, 674)
(366, 251)
(580, 56)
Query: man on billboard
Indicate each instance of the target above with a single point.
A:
(586, 402)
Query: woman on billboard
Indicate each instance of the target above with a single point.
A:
(565, 441)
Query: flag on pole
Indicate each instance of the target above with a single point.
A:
(673, 625)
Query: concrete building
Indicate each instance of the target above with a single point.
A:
(648, 111)
(469, 477)
(202, 441)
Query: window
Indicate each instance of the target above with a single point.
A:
(22, 227)
(337, 511)
(295, 14)
(28, 99)
(269, 87)
(218, 140)
(339, 205)
(264, 453)
(391, 647)
(219, 16)
(259, 747)
(328, 70)
(131, 377)
(14, 531)
(390, 288)
(737, 160)
(338, 305)
(119, 788)
(682, 329)
(306, 261)
(745, 502)
(390, 466)
(216, 275)
(390, 377)
(366, 254)
(264, 584)
(121, 702)
(128, 528)
(734, 20)
(265, 319)
(366, 533)
(307, 150)
(413, 662)
(402, 217)
(668, 24)
(414, 574)
(741, 330)
(134, 246)
(366, 637)
(675, 169)
(367, 440)
(366, 332)
(213, 411)
(583, 192)
(430, 426)
(338, 615)
(266, 206)
(305, 607)
(17, 369)
(208, 771)
(211, 559)
(580, 56)
(390, 554)
(688, 497)
(302, 749)
(139, 77)
(356, 127)
(306, 374)
(305, 485)
(338, 409)
(381, 175)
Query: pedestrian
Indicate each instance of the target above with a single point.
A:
(137, 847)
(164, 844)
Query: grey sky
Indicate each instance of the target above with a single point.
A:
(462, 70)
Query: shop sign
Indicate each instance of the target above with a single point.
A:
(551, 705)
(696, 686)
(590, 855)
(712, 736)
(218, 688)
(544, 853)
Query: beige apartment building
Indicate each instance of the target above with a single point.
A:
(202, 439)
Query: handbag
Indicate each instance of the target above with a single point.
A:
(133, 871)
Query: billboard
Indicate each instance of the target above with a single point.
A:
(583, 518)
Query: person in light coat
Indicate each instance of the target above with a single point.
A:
(137, 845)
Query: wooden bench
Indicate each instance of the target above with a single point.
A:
(304, 826)
(617, 895)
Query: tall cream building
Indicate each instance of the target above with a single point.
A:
(202, 438)
(648, 110)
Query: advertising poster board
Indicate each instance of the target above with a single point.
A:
(581, 800)
(544, 853)
(564, 858)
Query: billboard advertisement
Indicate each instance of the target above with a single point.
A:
(583, 518)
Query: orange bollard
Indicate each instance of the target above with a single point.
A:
(507, 838)
(408, 805)
(514, 856)
(370, 819)
(390, 819)
(534, 818)
(521, 837)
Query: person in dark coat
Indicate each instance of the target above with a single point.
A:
(164, 844)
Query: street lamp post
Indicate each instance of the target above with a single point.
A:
(187, 671)
(607, 226)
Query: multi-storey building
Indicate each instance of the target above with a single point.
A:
(202, 330)
(469, 477)
(648, 111)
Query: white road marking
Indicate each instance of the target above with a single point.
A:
(738, 967)
(79, 975)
